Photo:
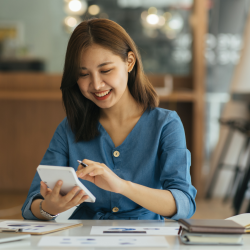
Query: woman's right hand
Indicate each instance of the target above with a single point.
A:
(54, 203)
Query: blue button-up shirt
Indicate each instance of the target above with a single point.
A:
(154, 155)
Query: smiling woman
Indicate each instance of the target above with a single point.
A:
(100, 50)
(136, 156)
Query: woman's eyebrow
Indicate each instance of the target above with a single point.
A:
(100, 65)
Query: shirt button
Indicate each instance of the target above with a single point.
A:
(116, 154)
(115, 209)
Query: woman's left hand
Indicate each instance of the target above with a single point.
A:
(101, 176)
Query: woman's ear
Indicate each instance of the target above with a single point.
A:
(131, 61)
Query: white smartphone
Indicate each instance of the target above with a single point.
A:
(51, 174)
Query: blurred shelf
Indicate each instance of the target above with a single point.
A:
(31, 95)
(22, 65)
(241, 96)
(180, 96)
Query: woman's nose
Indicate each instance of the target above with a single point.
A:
(97, 82)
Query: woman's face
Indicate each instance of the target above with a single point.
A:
(104, 76)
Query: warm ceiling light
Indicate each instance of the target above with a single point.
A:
(94, 10)
(75, 5)
(152, 19)
(70, 21)
(144, 15)
(161, 21)
(152, 10)
(167, 15)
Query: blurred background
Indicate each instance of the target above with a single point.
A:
(195, 53)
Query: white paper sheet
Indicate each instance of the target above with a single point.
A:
(34, 226)
(242, 219)
(95, 230)
(16, 245)
(75, 241)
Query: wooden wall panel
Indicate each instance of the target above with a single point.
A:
(30, 110)
(26, 128)
(199, 28)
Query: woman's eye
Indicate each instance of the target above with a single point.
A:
(83, 75)
(106, 71)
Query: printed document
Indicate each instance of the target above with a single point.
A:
(95, 230)
(100, 241)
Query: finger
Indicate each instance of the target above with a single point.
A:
(86, 161)
(77, 198)
(88, 178)
(57, 188)
(79, 167)
(43, 189)
(85, 171)
(79, 170)
(97, 171)
(68, 197)
(84, 198)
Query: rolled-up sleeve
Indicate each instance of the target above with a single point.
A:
(56, 155)
(175, 161)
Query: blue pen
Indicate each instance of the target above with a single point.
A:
(83, 164)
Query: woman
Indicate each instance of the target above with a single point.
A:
(138, 163)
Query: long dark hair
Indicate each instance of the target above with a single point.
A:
(83, 114)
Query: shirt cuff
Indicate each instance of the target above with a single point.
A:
(182, 204)
(27, 214)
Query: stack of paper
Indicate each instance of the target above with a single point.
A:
(211, 232)
(243, 220)
(210, 239)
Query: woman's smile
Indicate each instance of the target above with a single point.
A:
(102, 95)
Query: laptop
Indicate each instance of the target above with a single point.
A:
(7, 237)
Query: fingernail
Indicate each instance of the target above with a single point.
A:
(60, 182)
(91, 173)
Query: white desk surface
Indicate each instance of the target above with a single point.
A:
(173, 241)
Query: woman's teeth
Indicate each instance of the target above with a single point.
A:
(103, 93)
